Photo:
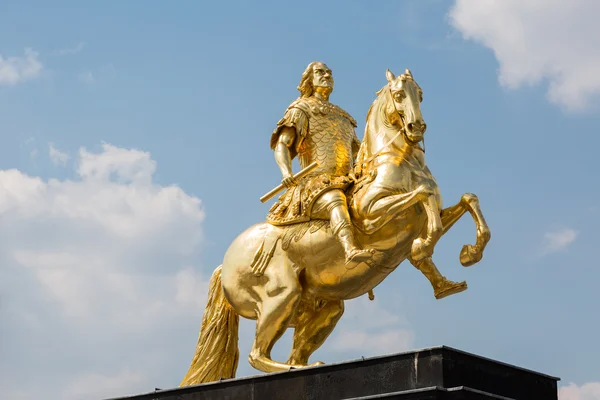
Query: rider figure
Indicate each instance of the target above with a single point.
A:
(316, 130)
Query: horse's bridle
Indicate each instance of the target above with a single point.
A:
(401, 131)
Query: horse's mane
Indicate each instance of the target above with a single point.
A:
(377, 102)
(382, 106)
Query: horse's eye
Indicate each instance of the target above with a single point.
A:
(399, 95)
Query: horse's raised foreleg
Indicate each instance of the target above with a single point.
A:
(470, 254)
(422, 247)
(278, 302)
(442, 287)
(312, 328)
(379, 206)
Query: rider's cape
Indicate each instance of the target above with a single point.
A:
(324, 133)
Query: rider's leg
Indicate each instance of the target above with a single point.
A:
(333, 205)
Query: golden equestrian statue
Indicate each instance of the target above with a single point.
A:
(345, 222)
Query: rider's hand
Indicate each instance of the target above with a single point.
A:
(288, 181)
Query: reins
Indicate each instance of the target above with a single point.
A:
(384, 148)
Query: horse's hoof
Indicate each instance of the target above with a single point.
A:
(469, 256)
(292, 367)
(450, 288)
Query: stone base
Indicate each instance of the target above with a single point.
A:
(433, 373)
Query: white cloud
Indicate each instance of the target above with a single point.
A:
(588, 391)
(537, 40)
(71, 50)
(99, 279)
(558, 240)
(371, 329)
(15, 70)
(56, 156)
(86, 77)
(103, 73)
(125, 165)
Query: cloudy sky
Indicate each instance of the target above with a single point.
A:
(135, 148)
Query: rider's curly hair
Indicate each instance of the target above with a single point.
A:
(306, 82)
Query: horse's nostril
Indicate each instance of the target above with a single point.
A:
(416, 126)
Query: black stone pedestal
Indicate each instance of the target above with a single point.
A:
(434, 373)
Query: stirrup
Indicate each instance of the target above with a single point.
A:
(360, 255)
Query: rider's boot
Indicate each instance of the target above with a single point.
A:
(341, 225)
(442, 287)
(354, 254)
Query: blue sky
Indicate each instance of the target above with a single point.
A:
(135, 148)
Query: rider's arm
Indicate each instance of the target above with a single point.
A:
(283, 156)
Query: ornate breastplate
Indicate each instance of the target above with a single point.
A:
(328, 140)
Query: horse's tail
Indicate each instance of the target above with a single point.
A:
(217, 352)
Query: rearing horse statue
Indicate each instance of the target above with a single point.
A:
(297, 275)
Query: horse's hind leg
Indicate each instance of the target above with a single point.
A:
(276, 306)
(470, 254)
(442, 287)
(312, 328)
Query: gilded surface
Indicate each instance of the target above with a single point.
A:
(329, 138)
(336, 233)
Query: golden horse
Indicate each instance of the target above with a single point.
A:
(296, 276)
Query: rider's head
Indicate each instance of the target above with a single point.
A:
(317, 75)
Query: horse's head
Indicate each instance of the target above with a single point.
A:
(394, 118)
(406, 96)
